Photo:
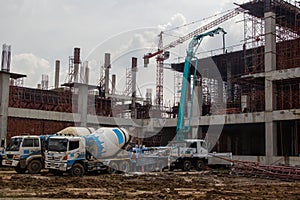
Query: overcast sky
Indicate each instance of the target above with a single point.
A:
(42, 31)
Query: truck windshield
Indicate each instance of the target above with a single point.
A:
(57, 145)
(14, 144)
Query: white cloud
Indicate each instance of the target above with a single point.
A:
(31, 65)
(177, 20)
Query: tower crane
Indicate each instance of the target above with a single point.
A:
(162, 53)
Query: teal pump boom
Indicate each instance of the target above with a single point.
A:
(181, 128)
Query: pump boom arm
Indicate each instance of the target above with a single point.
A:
(192, 48)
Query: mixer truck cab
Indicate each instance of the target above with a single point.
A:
(24, 153)
(81, 154)
(66, 153)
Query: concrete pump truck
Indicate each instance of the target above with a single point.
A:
(191, 153)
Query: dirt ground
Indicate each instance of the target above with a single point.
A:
(214, 184)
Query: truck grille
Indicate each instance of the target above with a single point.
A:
(57, 158)
(54, 158)
(50, 158)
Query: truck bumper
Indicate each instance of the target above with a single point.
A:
(57, 166)
(10, 163)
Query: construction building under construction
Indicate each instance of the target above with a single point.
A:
(260, 89)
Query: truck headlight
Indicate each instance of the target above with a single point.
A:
(16, 156)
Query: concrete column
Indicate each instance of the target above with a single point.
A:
(133, 85)
(87, 75)
(4, 97)
(56, 79)
(76, 63)
(107, 67)
(270, 65)
(83, 91)
(113, 83)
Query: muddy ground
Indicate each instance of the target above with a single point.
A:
(210, 184)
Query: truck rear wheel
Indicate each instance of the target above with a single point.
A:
(124, 166)
(77, 170)
(187, 165)
(113, 167)
(199, 165)
(34, 167)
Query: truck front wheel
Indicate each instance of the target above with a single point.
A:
(35, 166)
(77, 170)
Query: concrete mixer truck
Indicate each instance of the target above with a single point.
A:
(94, 152)
(26, 152)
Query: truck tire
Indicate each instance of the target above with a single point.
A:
(186, 165)
(20, 170)
(35, 166)
(171, 168)
(77, 170)
(113, 167)
(124, 166)
(200, 165)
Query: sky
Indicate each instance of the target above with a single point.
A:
(42, 31)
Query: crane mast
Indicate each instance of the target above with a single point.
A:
(159, 73)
